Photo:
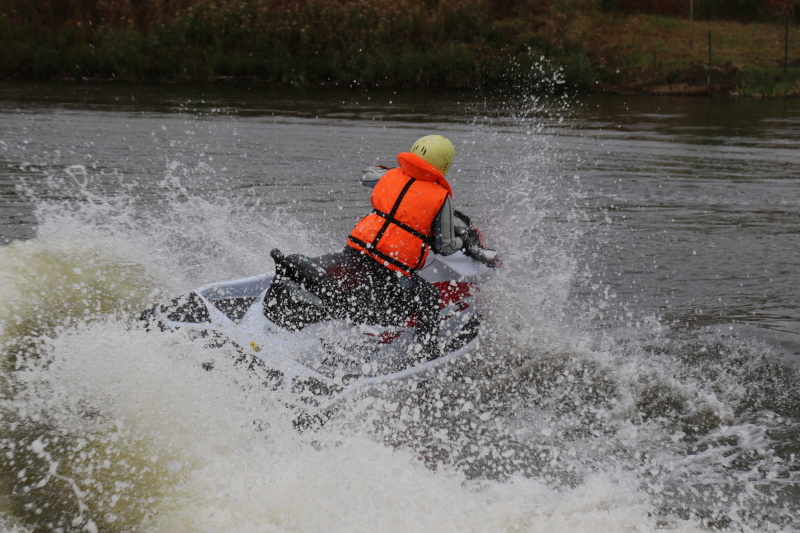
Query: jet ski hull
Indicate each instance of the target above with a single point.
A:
(315, 354)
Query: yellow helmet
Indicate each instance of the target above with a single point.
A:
(436, 150)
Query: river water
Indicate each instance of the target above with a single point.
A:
(639, 364)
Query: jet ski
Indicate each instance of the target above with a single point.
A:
(306, 328)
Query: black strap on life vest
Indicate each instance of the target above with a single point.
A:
(385, 257)
(389, 218)
(402, 225)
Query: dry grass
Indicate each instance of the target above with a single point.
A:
(445, 44)
(649, 50)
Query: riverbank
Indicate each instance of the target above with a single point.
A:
(662, 55)
(465, 45)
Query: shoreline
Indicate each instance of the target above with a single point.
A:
(668, 89)
(586, 48)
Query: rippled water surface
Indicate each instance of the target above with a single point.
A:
(638, 369)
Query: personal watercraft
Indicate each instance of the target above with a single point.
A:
(305, 328)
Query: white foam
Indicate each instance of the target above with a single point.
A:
(128, 431)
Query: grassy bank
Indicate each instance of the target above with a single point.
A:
(444, 44)
(671, 55)
(312, 42)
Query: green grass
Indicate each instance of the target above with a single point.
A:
(449, 44)
(770, 83)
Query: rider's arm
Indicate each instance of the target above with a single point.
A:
(371, 175)
(444, 227)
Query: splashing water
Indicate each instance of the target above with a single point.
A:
(552, 425)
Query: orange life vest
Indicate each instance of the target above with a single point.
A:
(406, 200)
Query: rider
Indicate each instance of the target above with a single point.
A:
(412, 214)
